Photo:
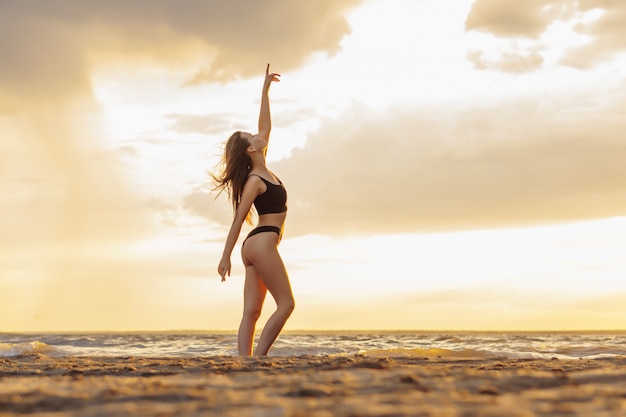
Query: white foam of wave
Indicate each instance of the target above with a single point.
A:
(26, 348)
(480, 354)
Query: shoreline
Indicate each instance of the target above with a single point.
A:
(311, 386)
(322, 331)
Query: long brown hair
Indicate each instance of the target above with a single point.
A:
(233, 170)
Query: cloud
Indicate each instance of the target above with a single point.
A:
(514, 63)
(61, 187)
(510, 18)
(42, 59)
(608, 35)
(283, 32)
(531, 19)
(203, 124)
(201, 202)
(501, 165)
(48, 47)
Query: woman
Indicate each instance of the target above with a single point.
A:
(248, 182)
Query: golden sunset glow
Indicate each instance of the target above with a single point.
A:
(450, 164)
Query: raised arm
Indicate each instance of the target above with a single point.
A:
(265, 119)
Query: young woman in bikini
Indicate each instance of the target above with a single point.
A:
(247, 180)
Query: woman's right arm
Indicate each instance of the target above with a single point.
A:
(251, 190)
(265, 118)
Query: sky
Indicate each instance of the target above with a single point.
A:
(450, 164)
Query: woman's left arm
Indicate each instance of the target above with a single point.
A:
(265, 119)
(251, 189)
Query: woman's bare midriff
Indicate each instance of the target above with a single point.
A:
(272, 219)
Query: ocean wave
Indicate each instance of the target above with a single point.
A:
(480, 354)
(402, 345)
(26, 348)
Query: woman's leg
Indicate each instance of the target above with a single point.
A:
(253, 296)
(261, 251)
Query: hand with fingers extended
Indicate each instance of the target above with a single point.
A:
(224, 268)
(269, 78)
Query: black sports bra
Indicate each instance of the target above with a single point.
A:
(273, 200)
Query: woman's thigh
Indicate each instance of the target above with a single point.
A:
(253, 291)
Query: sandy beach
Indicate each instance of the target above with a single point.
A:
(311, 386)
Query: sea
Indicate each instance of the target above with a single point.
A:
(418, 344)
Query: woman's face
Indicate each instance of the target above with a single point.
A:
(257, 142)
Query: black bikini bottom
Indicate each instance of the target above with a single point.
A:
(263, 229)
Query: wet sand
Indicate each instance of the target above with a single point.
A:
(311, 386)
